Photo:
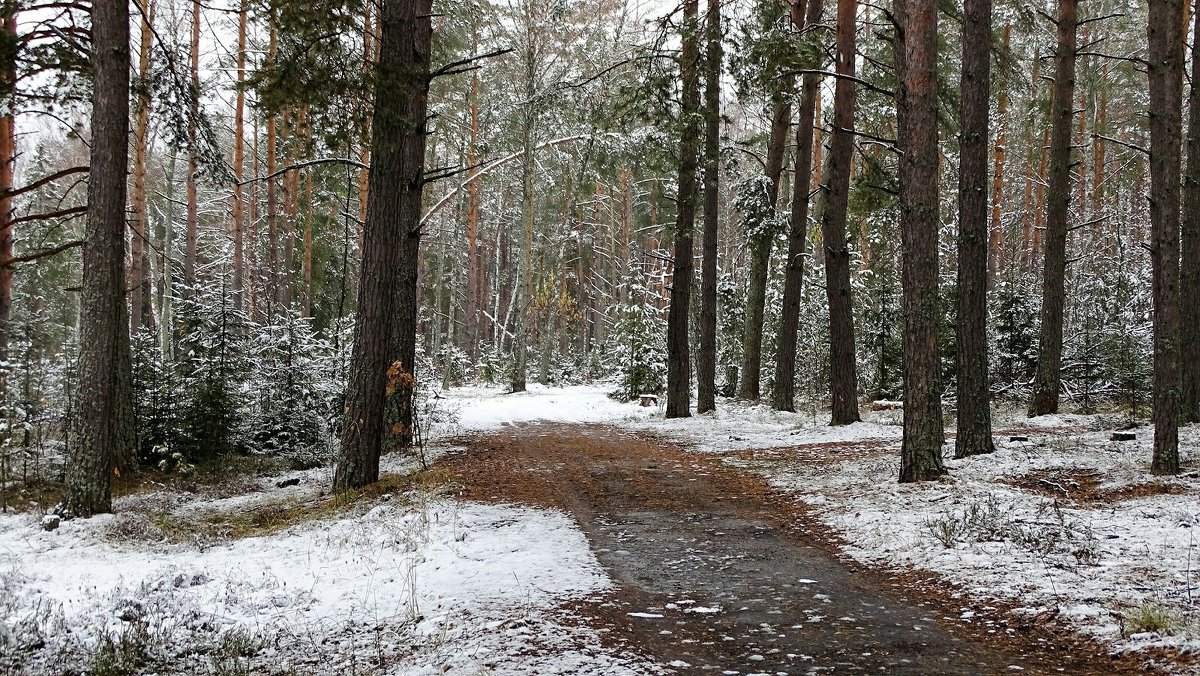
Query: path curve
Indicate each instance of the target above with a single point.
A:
(717, 572)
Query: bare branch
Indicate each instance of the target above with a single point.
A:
(45, 253)
(843, 76)
(61, 213)
(1119, 142)
(43, 181)
(307, 163)
(467, 64)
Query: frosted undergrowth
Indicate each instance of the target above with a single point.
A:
(1000, 528)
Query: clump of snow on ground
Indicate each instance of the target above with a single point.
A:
(414, 586)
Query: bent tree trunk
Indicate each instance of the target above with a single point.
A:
(1047, 377)
(377, 370)
(783, 396)
(1165, 65)
(678, 361)
(974, 408)
(921, 448)
(843, 367)
(101, 427)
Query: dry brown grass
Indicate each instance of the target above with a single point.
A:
(209, 526)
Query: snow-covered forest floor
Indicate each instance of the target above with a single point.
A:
(265, 573)
(268, 574)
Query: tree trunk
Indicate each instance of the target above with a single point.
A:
(974, 405)
(997, 261)
(1190, 242)
(253, 273)
(678, 361)
(523, 288)
(1098, 154)
(192, 231)
(760, 247)
(1033, 207)
(166, 301)
(102, 425)
(381, 379)
(471, 344)
(142, 311)
(273, 193)
(239, 214)
(921, 448)
(1047, 379)
(783, 397)
(8, 157)
(843, 365)
(364, 150)
(306, 261)
(1165, 65)
(290, 136)
(706, 359)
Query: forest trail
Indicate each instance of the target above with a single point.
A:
(716, 572)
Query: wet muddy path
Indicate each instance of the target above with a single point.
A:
(717, 572)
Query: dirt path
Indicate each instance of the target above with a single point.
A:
(719, 573)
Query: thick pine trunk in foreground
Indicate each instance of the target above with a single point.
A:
(378, 374)
(1047, 378)
(843, 367)
(678, 362)
(1189, 403)
(401, 416)
(921, 448)
(1164, 28)
(974, 406)
(706, 360)
(783, 396)
(101, 429)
